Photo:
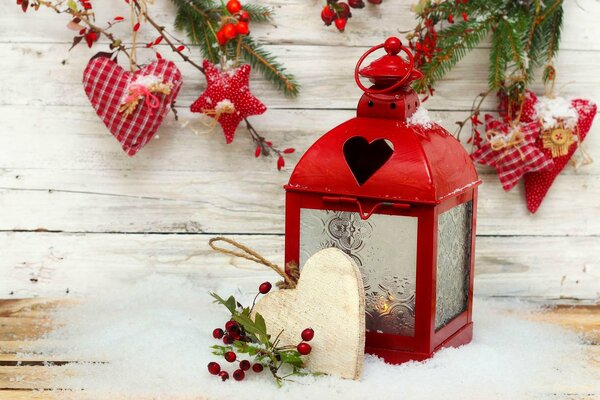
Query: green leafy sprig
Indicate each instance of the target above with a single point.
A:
(255, 341)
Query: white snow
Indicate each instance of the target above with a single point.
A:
(553, 110)
(421, 117)
(146, 80)
(155, 335)
(224, 105)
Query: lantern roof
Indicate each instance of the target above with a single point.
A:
(386, 159)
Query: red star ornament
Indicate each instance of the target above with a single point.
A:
(511, 150)
(227, 97)
(558, 142)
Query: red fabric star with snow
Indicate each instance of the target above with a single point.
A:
(511, 150)
(227, 97)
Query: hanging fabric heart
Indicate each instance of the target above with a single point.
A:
(565, 125)
(132, 105)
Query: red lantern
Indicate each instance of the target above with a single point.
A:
(401, 200)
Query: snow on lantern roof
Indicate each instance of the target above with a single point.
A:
(419, 163)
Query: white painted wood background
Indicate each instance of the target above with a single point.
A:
(76, 213)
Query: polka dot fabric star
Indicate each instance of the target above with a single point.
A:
(227, 98)
(537, 184)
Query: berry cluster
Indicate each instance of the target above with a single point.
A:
(244, 335)
(338, 12)
(239, 374)
(233, 25)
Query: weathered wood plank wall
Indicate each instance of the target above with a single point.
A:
(76, 213)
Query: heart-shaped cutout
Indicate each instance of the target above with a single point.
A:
(364, 158)
(330, 299)
(107, 85)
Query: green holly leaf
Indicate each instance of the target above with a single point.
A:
(260, 323)
(72, 6)
(292, 357)
(230, 303)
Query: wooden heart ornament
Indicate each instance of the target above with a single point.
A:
(330, 299)
(364, 158)
(132, 105)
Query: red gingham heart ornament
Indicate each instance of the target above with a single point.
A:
(108, 86)
(538, 183)
(511, 150)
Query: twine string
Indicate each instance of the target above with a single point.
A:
(289, 280)
(498, 143)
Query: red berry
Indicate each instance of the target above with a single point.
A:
(328, 15)
(221, 37)
(235, 335)
(308, 334)
(230, 325)
(214, 368)
(230, 356)
(265, 287)
(392, 45)
(224, 375)
(244, 16)
(233, 6)
(344, 10)
(303, 348)
(229, 31)
(244, 365)
(451, 18)
(242, 28)
(218, 333)
(356, 3)
(257, 368)
(375, 1)
(238, 375)
(227, 339)
(340, 23)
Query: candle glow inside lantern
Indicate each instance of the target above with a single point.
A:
(400, 199)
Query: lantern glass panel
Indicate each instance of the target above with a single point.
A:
(385, 249)
(453, 263)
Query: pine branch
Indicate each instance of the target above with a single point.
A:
(200, 19)
(271, 69)
(258, 12)
(454, 43)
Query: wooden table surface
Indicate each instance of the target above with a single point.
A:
(22, 321)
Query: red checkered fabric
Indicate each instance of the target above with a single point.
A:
(106, 85)
(511, 163)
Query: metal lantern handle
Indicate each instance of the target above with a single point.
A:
(396, 85)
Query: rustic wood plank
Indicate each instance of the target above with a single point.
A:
(330, 86)
(151, 202)
(367, 27)
(89, 185)
(555, 269)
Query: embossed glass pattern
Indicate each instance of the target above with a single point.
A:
(385, 249)
(453, 263)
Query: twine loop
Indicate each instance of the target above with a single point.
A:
(136, 91)
(499, 142)
(289, 280)
(223, 107)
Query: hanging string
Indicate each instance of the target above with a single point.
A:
(498, 142)
(134, 21)
(289, 280)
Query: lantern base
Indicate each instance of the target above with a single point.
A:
(463, 336)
